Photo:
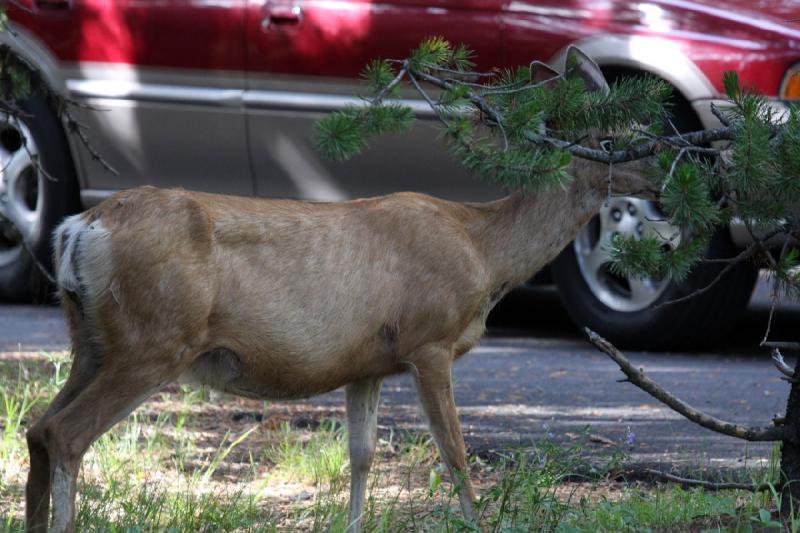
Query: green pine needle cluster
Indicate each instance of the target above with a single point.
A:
(377, 75)
(521, 166)
(437, 53)
(649, 257)
(344, 134)
(686, 195)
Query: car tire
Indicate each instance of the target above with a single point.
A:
(697, 321)
(35, 199)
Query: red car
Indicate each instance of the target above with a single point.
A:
(222, 95)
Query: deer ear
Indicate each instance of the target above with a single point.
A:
(581, 65)
(544, 74)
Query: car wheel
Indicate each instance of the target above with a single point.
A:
(34, 197)
(629, 312)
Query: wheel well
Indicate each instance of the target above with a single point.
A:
(683, 116)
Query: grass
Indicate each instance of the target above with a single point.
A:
(182, 463)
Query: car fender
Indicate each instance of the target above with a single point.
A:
(32, 50)
(666, 60)
(657, 56)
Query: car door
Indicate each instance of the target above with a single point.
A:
(166, 78)
(304, 58)
(539, 29)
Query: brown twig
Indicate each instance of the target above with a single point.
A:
(471, 95)
(638, 378)
(717, 112)
(4, 219)
(741, 256)
(782, 366)
(391, 85)
(793, 346)
(710, 485)
(74, 127)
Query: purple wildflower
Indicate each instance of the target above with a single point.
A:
(630, 438)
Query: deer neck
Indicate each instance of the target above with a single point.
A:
(522, 233)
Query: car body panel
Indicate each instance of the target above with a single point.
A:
(322, 52)
(241, 82)
(756, 39)
(154, 33)
(151, 80)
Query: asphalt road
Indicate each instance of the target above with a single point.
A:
(534, 377)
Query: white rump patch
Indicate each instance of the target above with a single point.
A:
(82, 257)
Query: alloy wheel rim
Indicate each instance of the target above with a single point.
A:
(20, 198)
(626, 217)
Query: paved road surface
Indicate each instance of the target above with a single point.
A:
(534, 374)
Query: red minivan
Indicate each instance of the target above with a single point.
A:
(221, 95)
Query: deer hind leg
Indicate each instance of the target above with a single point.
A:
(66, 434)
(37, 489)
(431, 366)
(362, 429)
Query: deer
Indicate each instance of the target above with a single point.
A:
(285, 299)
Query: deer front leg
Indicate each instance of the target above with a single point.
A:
(434, 386)
(362, 429)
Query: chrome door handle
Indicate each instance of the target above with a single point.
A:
(281, 15)
(53, 5)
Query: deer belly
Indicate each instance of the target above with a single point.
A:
(225, 370)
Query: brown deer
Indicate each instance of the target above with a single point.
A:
(289, 299)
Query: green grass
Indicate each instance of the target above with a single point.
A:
(179, 464)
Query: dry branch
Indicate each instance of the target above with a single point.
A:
(710, 485)
(43, 269)
(792, 346)
(781, 365)
(638, 378)
(742, 256)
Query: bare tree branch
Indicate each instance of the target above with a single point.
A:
(638, 378)
(472, 96)
(793, 346)
(391, 85)
(5, 220)
(710, 485)
(731, 263)
(717, 112)
(74, 127)
(643, 150)
(782, 366)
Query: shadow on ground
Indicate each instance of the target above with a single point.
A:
(538, 312)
